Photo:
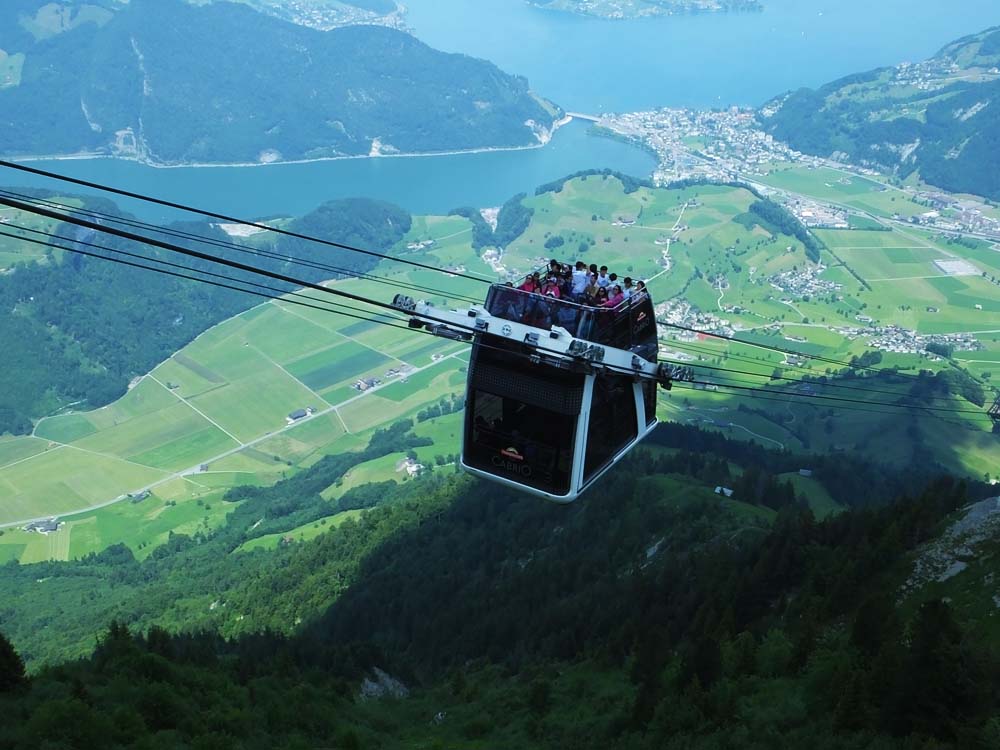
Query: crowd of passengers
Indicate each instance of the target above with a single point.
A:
(586, 286)
(591, 287)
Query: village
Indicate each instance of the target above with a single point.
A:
(701, 144)
(726, 145)
(893, 338)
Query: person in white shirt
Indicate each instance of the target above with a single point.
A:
(580, 280)
(603, 281)
(628, 289)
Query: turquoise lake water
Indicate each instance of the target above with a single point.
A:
(584, 64)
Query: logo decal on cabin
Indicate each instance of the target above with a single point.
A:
(512, 453)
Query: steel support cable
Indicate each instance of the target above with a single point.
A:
(782, 350)
(176, 274)
(798, 381)
(841, 399)
(265, 227)
(281, 292)
(789, 398)
(136, 224)
(223, 217)
(688, 347)
(340, 293)
(153, 242)
(756, 392)
(761, 395)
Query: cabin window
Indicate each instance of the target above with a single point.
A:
(612, 424)
(649, 400)
(520, 441)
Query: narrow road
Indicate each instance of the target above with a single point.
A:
(196, 469)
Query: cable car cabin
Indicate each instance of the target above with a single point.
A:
(541, 422)
(550, 424)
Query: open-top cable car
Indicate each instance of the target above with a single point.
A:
(557, 392)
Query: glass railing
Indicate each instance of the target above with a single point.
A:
(629, 324)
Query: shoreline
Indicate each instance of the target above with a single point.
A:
(93, 155)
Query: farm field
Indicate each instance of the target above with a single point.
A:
(216, 413)
(13, 251)
(300, 534)
(845, 189)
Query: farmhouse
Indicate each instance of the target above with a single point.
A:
(298, 414)
(365, 383)
(44, 527)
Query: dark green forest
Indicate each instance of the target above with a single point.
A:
(78, 329)
(777, 219)
(652, 614)
(512, 221)
(256, 84)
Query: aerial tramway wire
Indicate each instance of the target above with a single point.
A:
(277, 297)
(180, 234)
(297, 235)
(782, 350)
(760, 394)
(281, 292)
(358, 298)
(228, 219)
(797, 381)
(524, 355)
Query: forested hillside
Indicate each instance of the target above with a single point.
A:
(126, 80)
(654, 614)
(939, 118)
(78, 329)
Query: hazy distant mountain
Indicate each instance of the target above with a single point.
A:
(169, 82)
(940, 118)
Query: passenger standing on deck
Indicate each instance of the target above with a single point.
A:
(580, 280)
(602, 278)
(628, 290)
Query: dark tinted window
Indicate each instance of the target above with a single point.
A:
(649, 400)
(520, 441)
(612, 423)
(521, 417)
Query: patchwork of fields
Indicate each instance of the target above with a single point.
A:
(214, 415)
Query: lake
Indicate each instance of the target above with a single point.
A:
(704, 60)
(424, 184)
(584, 64)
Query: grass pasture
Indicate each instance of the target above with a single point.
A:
(845, 189)
(14, 449)
(300, 534)
(223, 400)
(65, 480)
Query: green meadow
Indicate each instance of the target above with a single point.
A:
(215, 414)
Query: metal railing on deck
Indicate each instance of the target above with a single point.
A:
(631, 323)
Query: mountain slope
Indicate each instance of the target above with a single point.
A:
(653, 615)
(77, 329)
(940, 118)
(169, 82)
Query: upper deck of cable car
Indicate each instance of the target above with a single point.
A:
(622, 318)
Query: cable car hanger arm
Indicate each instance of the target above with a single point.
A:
(561, 349)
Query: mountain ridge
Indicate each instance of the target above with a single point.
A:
(260, 90)
(938, 119)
